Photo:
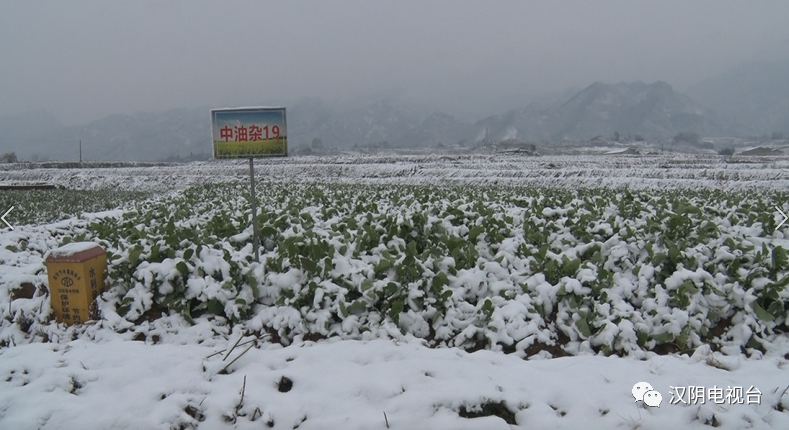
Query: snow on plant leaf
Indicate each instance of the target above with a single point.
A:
(455, 256)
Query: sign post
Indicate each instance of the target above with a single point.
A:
(253, 200)
(250, 133)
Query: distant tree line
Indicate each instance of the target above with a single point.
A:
(687, 137)
(9, 157)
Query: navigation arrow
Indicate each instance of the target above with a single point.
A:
(3, 218)
(779, 225)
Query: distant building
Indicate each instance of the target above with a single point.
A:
(761, 151)
(625, 151)
(514, 146)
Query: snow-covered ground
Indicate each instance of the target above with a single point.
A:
(120, 384)
(642, 172)
(181, 376)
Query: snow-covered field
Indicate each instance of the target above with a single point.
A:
(303, 350)
(643, 172)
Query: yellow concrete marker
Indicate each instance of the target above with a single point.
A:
(76, 278)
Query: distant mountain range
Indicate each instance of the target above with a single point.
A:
(746, 101)
(754, 94)
(381, 121)
(137, 137)
(654, 111)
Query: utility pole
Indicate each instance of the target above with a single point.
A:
(80, 152)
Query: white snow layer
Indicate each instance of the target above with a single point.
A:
(70, 249)
(352, 384)
(566, 171)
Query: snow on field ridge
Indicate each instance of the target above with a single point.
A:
(641, 172)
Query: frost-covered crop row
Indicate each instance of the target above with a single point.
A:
(46, 206)
(505, 268)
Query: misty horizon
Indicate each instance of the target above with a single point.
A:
(86, 60)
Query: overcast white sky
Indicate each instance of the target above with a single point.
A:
(83, 60)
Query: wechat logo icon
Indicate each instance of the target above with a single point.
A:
(642, 391)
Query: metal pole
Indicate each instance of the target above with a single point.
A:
(255, 241)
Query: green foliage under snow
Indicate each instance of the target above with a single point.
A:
(506, 268)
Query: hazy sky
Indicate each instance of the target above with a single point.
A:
(82, 60)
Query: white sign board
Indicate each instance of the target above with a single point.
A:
(249, 132)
